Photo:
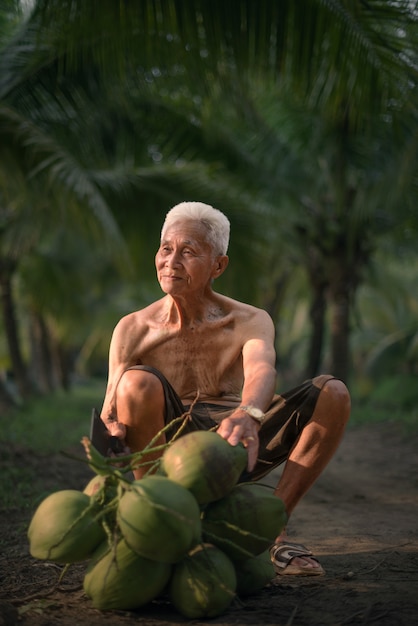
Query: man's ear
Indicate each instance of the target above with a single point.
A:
(220, 265)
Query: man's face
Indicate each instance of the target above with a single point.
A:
(185, 261)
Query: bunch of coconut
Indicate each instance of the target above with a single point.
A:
(191, 532)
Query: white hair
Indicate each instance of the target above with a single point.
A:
(215, 222)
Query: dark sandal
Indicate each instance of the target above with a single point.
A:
(281, 555)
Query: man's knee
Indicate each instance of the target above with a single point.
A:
(139, 384)
(335, 393)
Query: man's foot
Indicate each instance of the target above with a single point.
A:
(293, 559)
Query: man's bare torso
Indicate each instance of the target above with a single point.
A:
(202, 356)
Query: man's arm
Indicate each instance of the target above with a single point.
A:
(123, 353)
(259, 358)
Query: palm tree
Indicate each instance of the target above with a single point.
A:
(341, 198)
(351, 63)
(41, 182)
(291, 157)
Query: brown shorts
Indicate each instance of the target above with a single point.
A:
(286, 417)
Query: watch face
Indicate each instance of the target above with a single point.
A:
(252, 411)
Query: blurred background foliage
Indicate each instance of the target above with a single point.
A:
(300, 123)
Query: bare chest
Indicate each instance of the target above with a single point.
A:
(207, 362)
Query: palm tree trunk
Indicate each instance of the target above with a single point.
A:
(41, 357)
(341, 276)
(10, 326)
(7, 401)
(273, 303)
(317, 316)
(339, 304)
(63, 364)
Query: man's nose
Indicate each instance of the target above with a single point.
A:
(173, 259)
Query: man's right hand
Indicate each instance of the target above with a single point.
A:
(117, 432)
(116, 429)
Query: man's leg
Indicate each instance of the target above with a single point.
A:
(313, 450)
(140, 407)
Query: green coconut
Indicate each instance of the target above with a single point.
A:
(245, 522)
(120, 579)
(254, 574)
(64, 528)
(159, 519)
(203, 584)
(205, 463)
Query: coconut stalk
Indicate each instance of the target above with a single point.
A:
(124, 463)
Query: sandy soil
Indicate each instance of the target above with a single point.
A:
(360, 519)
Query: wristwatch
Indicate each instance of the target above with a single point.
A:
(256, 414)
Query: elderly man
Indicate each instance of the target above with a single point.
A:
(194, 343)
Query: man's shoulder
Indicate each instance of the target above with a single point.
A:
(248, 319)
(246, 309)
(140, 316)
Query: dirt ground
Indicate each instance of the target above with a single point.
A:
(360, 519)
